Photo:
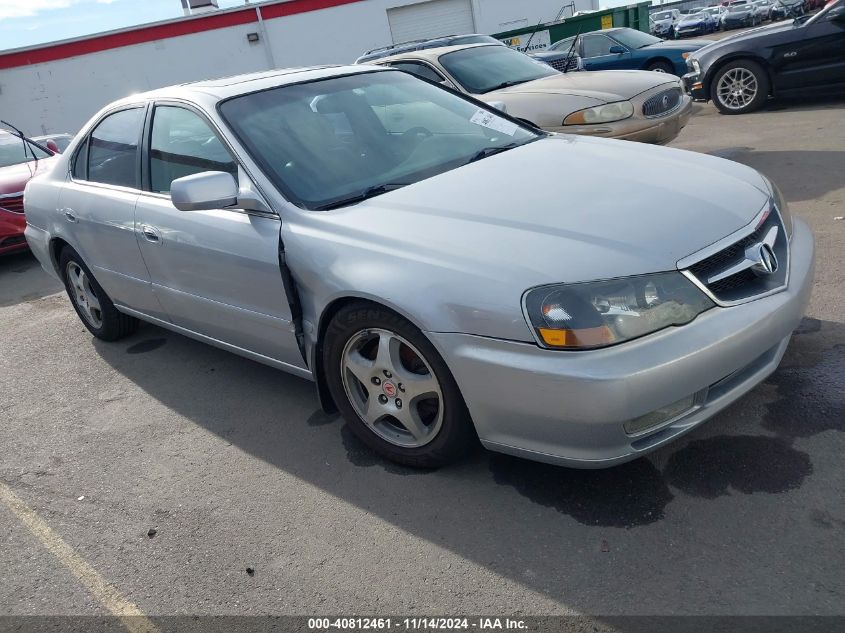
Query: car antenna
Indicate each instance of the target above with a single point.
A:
(25, 145)
(533, 33)
(571, 48)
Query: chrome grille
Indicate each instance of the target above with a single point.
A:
(13, 202)
(662, 103)
(735, 273)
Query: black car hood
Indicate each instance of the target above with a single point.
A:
(750, 35)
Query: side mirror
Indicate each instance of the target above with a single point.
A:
(204, 191)
(618, 50)
(51, 145)
(499, 105)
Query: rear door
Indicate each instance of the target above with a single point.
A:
(98, 207)
(215, 272)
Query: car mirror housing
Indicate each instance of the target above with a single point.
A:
(204, 191)
(617, 50)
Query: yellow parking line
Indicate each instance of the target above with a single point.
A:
(130, 615)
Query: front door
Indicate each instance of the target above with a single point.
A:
(595, 49)
(814, 55)
(215, 272)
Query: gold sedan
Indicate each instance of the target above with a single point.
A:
(635, 105)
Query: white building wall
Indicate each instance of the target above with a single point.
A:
(60, 96)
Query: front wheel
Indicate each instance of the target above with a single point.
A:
(660, 67)
(91, 302)
(740, 87)
(394, 389)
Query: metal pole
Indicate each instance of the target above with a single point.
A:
(262, 33)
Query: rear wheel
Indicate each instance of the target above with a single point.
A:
(91, 302)
(394, 389)
(739, 87)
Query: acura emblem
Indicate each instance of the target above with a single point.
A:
(767, 261)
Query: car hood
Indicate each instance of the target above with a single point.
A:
(605, 85)
(13, 178)
(678, 45)
(751, 34)
(565, 209)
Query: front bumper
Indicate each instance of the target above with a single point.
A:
(694, 87)
(658, 130)
(569, 408)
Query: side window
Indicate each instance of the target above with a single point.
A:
(80, 162)
(563, 45)
(181, 144)
(113, 149)
(596, 45)
(420, 70)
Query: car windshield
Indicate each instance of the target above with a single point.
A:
(486, 68)
(696, 16)
(12, 151)
(563, 45)
(634, 39)
(738, 8)
(663, 15)
(333, 142)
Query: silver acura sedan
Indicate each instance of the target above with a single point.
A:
(439, 269)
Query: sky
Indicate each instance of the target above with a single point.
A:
(30, 22)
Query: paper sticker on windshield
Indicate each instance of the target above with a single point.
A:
(488, 119)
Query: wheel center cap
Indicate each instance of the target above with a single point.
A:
(389, 389)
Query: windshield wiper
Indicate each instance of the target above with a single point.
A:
(490, 151)
(506, 84)
(369, 192)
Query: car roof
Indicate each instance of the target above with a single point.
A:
(210, 91)
(432, 54)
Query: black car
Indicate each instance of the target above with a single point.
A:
(418, 45)
(803, 56)
(741, 14)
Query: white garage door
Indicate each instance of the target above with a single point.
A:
(430, 19)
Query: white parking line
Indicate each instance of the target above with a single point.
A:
(132, 618)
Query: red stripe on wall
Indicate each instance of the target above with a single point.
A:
(156, 32)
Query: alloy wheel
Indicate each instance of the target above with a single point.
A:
(392, 388)
(737, 88)
(83, 295)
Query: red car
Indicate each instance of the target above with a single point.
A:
(17, 166)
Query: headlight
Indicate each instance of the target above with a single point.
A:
(601, 114)
(696, 66)
(602, 313)
(782, 206)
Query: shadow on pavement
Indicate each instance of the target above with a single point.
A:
(694, 517)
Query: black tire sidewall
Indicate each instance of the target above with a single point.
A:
(762, 86)
(456, 433)
(666, 68)
(115, 325)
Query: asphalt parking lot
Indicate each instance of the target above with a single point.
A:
(233, 467)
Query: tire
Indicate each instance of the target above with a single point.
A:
(660, 67)
(106, 323)
(741, 71)
(388, 355)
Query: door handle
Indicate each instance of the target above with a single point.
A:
(151, 233)
(69, 215)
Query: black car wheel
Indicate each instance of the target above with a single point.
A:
(739, 87)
